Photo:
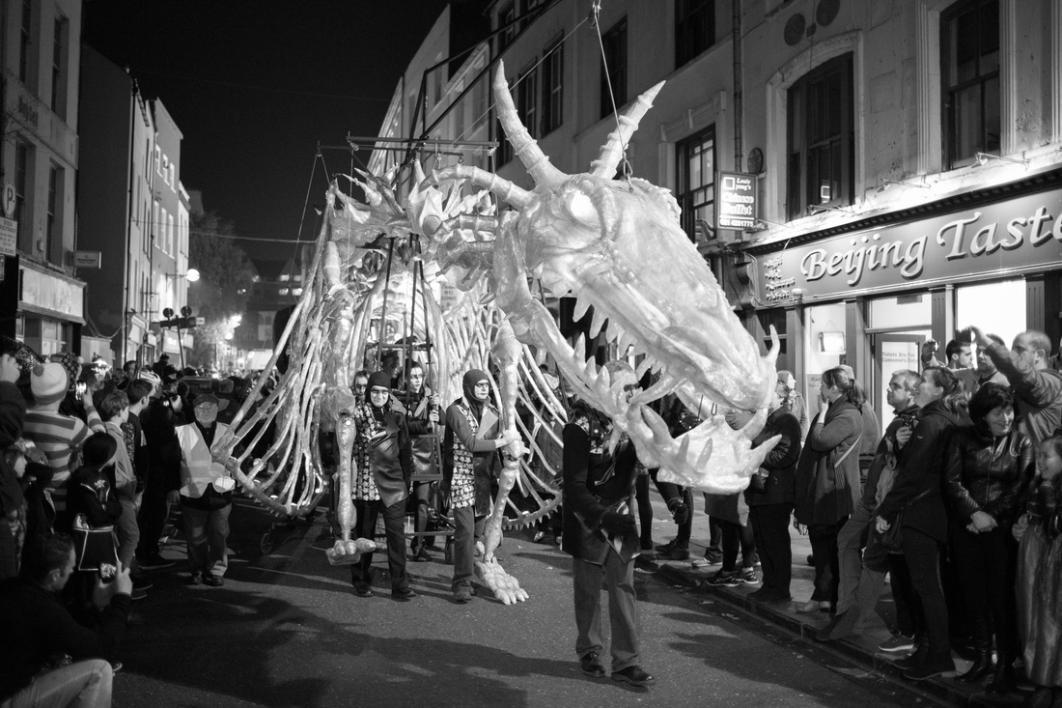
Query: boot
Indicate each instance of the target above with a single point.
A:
(982, 665)
(1003, 677)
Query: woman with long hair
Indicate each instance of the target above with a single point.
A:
(827, 479)
(917, 492)
(988, 466)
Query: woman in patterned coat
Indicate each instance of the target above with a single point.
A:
(470, 457)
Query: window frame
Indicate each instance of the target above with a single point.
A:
(800, 142)
(614, 66)
(685, 191)
(949, 93)
(23, 174)
(25, 55)
(54, 214)
(694, 29)
(552, 87)
(60, 40)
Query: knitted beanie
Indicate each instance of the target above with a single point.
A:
(48, 382)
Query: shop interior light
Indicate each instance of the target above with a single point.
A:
(983, 158)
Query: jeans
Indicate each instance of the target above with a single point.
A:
(394, 528)
(467, 528)
(770, 529)
(737, 537)
(83, 684)
(922, 553)
(208, 534)
(128, 532)
(622, 610)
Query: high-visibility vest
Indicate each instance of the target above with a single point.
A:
(198, 468)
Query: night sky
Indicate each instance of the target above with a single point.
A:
(254, 85)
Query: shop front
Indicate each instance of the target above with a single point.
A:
(50, 310)
(870, 293)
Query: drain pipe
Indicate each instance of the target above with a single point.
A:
(738, 107)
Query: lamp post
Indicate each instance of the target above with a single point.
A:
(192, 276)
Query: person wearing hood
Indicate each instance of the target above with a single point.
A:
(470, 463)
(383, 458)
(205, 493)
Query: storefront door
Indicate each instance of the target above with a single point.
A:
(894, 351)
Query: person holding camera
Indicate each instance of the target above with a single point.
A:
(601, 534)
(162, 477)
(37, 627)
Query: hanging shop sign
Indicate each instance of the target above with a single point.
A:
(48, 294)
(8, 236)
(735, 206)
(1016, 236)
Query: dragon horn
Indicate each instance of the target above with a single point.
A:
(524, 146)
(607, 162)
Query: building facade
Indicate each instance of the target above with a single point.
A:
(906, 156)
(41, 299)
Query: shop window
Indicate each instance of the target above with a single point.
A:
(824, 345)
(969, 48)
(25, 44)
(776, 317)
(820, 139)
(54, 216)
(695, 158)
(995, 308)
(553, 88)
(614, 68)
(694, 28)
(527, 98)
(900, 312)
(59, 59)
(23, 154)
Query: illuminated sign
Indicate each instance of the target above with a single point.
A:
(735, 205)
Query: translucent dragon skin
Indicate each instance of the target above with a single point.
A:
(617, 245)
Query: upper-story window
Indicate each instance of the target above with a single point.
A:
(173, 176)
(527, 100)
(158, 159)
(553, 88)
(820, 138)
(614, 68)
(25, 43)
(54, 214)
(23, 153)
(694, 28)
(507, 25)
(59, 59)
(166, 169)
(969, 49)
(695, 158)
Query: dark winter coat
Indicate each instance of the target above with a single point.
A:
(827, 477)
(778, 486)
(988, 474)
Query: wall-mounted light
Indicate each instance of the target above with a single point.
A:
(983, 158)
(192, 276)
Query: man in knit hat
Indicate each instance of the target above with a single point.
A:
(383, 456)
(57, 435)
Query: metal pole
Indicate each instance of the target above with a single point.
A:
(383, 311)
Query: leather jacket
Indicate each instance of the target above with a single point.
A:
(986, 473)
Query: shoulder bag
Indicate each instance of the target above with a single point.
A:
(892, 539)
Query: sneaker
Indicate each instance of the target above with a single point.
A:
(214, 581)
(897, 643)
(749, 576)
(930, 669)
(155, 563)
(714, 556)
(463, 595)
(591, 665)
(363, 591)
(725, 579)
(633, 675)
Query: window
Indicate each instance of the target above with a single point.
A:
(62, 26)
(696, 180)
(54, 214)
(527, 100)
(153, 226)
(169, 234)
(614, 67)
(160, 229)
(969, 48)
(507, 25)
(166, 169)
(694, 28)
(820, 140)
(173, 176)
(22, 183)
(25, 42)
(158, 159)
(553, 88)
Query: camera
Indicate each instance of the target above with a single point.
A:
(108, 572)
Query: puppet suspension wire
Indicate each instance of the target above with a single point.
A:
(596, 13)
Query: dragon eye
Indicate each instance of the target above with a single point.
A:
(581, 207)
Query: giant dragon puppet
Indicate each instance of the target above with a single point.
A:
(614, 245)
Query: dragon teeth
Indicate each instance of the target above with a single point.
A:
(597, 322)
(644, 365)
(582, 304)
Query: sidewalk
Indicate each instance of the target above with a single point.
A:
(861, 649)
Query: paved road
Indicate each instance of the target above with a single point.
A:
(287, 631)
